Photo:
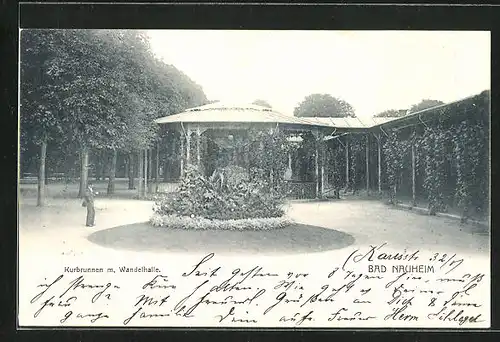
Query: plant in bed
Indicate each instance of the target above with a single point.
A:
(229, 199)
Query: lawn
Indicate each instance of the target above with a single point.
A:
(297, 238)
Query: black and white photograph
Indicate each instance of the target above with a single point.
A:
(254, 178)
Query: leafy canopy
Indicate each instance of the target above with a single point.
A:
(324, 105)
(424, 104)
(100, 88)
(391, 113)
(262, 103)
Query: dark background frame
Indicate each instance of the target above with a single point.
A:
(220, 16)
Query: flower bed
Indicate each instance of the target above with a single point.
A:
(228, 200)
(200, 223)
(223, 196)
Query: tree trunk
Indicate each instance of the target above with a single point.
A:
(84, 171)
(131, 171)
(126, 161)
(150, 165)
(146, 172)
(41, 174)
(150, 168)
(98, 160)
(140, 175)
(166, 170)
(112, 173)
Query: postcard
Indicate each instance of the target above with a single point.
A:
(254, 179)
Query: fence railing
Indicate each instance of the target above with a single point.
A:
(167, 187)
(300, 190)
(293, 189)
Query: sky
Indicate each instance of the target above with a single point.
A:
(372, 70)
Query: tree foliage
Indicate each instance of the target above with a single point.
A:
(262, 103)
(324, 105)
(424, 104)
(100, 88)
(391, 113)
(95, 91)
(41, 108)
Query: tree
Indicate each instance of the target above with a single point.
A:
(424, 104)
(262, 103)
(94, 88)
(324, 105)
(40, 107)
(391, 113)
(98, 90)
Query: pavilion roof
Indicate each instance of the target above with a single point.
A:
(235, 113)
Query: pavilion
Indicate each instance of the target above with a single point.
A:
(222, 123)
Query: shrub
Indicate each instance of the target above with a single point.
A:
(223, 196)
(200, 223)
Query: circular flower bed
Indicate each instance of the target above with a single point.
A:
(201, 223)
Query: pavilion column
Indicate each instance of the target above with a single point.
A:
(379, 146)
(413, 174)
(181, 147)
(289, 172)
(205, 153)
(188, 146)
(347, 162)
(367, 162)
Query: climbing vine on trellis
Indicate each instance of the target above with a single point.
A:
(432, 145)
(453, 158)
(394, 152)
(356, 160)
(269, 153)
(469, 148)
(336, 161)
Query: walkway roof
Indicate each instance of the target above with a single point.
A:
(248, 113)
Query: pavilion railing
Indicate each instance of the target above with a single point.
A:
(300, 189)
(293, 189)
(168, 187)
